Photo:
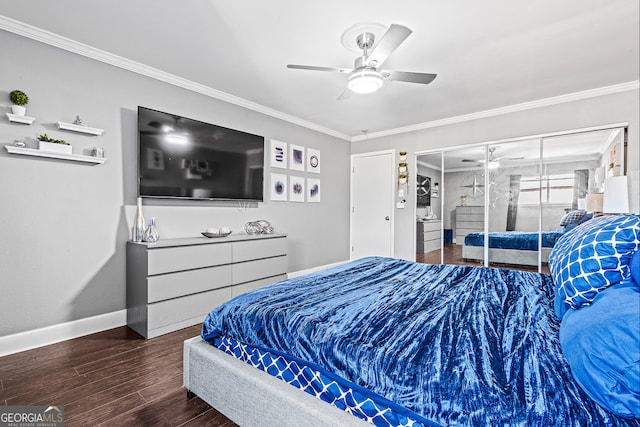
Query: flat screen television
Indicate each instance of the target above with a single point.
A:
(183, 158)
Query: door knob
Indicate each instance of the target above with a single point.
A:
(386, 217)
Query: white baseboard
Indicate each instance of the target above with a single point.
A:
(314, 269)
(61, 332)
(65, 331)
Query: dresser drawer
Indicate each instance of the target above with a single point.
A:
(431, 246)
(252, 270)
(255, 249)
(173, 285)
(431, 235)
(470, 225)
(432, 225)
(470, 210)
(250, 286)
(180, 309)
(165, 260)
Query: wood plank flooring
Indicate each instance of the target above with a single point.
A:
(111, 378)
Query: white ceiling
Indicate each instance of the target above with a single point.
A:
(487, 54)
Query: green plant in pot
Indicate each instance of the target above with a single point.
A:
(46, 143)
(44, 137)
(19, 99)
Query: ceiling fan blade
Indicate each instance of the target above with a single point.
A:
(471, 161)
(389, 42)
(346, 94)
(314, 68)
(405, 76)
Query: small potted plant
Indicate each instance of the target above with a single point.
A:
(403, 156)
(402, 178)
(402, 167)
(45, 143)
(19, 99)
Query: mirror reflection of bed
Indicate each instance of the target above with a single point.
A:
(538, 189)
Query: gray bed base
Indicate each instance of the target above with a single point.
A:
(506, 256)
(250, 397)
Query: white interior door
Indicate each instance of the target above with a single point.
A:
(372, 197)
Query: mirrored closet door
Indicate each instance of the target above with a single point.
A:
(429, 229)
(513, 204)
(524, 194)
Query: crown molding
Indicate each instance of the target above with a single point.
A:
(70, 45)
(576, 96)
(52, 39)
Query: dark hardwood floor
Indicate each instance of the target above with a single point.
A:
(111, 378)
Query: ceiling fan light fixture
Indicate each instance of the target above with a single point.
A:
(176, 138)
(365, 81)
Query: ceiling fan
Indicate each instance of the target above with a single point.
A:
(493, 161)
(365, 77)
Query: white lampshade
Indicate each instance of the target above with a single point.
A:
(616, 195)
(365, 81)
(594, 202)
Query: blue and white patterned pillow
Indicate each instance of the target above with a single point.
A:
(592, 257)
(572, 217)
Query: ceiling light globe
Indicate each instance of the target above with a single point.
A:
(366, 81)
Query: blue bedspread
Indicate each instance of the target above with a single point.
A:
(461, 346)
(521, 240)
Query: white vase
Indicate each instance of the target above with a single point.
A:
(151, 234)
(19, 110)
(139, 225)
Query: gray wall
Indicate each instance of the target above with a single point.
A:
(63, 225)
(603, 110)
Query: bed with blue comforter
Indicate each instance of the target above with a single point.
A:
(519, 240)
(502, 244)
(400, 343)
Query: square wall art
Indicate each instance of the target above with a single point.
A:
(279, 187)
(278, 154)
(313, 160)
(296, 158)
(296, 189)
(313, 190)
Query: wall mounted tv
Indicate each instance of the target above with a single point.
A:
(187, 159)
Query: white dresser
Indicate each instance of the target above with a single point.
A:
(429, 236)
(469, 219)
(174, 283)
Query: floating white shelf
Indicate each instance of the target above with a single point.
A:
(20, 119)
(49, 154)
(79, 128)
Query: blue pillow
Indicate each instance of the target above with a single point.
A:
(602, 345)
(634, 266)
(571, 217)
(587, 216)
(564, 228)
(592, 257)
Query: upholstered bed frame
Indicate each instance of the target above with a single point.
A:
(250, 397)
(506, 256)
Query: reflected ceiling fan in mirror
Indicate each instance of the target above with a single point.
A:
(365, 76)
(494, 162)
